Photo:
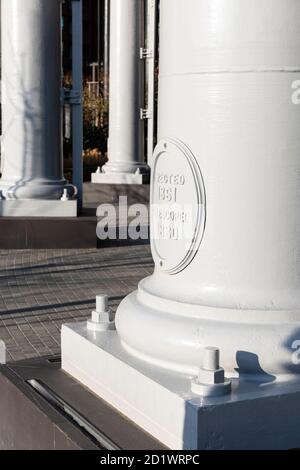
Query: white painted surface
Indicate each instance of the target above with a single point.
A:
(225, 93)
(120, 178)
(151, 74)
(31, 100)
(225, 102)
(254, 416)
(37, 208)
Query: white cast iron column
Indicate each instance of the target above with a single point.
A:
(229, 148)
(126, 151)
(31, 101)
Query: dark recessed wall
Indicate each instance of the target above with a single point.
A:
(91, 39)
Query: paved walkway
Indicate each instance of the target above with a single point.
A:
(41, 289)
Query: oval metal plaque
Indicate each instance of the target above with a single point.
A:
(177, 206)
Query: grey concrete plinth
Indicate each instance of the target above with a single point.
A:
(29, 421)
(120, 178)
(35, 233)
(96, 194)
(37, 208)
(257, 415)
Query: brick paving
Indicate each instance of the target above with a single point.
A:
(42, 289)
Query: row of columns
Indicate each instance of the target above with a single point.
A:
(32, 169)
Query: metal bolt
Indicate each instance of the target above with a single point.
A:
(102, 318)
(65, 196)
(211, 359)
(211, 381)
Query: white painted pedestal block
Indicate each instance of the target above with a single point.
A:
(255, 416)
(120, 178)
(37, 208)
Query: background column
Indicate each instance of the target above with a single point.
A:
(31, 101)
(126, 151)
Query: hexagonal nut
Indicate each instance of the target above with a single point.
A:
(212, 377)
(102, 317)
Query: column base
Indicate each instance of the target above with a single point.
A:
(180, 330)
(254, 416)
(37, 208)
(120, 178)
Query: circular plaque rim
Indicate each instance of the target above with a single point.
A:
(162, 147)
